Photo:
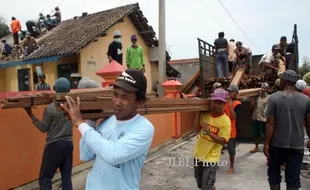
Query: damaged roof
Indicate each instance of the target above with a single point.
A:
(70, 36)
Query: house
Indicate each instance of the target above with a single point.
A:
(79, 45)
(187, 67)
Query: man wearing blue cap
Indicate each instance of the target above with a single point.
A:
(287, 112)
(135, 55)
(58, 151)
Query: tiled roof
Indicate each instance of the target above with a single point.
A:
(72, 35)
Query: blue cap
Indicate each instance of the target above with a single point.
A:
(62, 85)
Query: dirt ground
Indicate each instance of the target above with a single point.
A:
(251, 170)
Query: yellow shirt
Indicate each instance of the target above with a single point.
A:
(206, 149)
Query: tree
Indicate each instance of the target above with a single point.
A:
(305, 68)
(4, 28)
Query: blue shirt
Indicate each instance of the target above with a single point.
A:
(7, 48)
(119, 149)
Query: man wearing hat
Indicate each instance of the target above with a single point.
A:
(300, 85)
(259, 117)
(58, 151)
(284, 141)
(115, 51)
(214, 134)
(29, 44)
(42, 86)
(120, 143)
(232, 110)
(135, 55)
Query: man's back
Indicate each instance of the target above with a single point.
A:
(55, 124)
(220, 43)
(289, 110)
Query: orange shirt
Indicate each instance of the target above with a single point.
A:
(233, 132)
(15, 26)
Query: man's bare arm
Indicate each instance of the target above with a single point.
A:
(269, 130)
(216, 139)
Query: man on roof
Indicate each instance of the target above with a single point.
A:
(115, 48)
(29, 44)
(243, 57)
(135, 55)
(15, 28)
(7, 48)
(57, 15)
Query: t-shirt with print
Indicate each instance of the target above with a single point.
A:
(289, 110)
(206, 149)
(115, 51)
(259, 113)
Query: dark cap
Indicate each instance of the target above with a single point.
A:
(290, 75)
(62, 85)
(276, 47)
(239, 44)
(132, 80)
(42, 75)
(233, 88)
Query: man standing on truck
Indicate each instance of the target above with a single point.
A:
(214, 134)
(58, 151)
(287, 112)
(231, 54)
(221, 48)
(259, 104)
(244, 57)
(270, 60)
(232, 110)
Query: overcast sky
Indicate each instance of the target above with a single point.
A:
(263, 21)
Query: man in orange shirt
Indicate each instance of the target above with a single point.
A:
(15, 28)
(232, 110)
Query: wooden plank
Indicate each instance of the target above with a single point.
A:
(238, 76)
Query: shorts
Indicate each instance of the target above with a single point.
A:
(231, 146)
(205, 174)
(258, 128)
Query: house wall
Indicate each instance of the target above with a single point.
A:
(11, 78)
(94, 56)
(23, 144)
(186, 69)
(2, 80)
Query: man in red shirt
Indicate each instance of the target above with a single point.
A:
(232, 110)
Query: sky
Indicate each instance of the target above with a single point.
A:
(263, 21)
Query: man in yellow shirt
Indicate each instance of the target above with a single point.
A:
(214, 134)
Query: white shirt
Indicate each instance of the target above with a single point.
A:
(245, 50)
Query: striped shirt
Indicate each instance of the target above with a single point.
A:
(42, 86)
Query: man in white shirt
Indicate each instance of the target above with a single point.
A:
(272, 60)
(243, 57)
(231, 54)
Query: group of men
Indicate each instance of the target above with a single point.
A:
(29, 43)
(230, 56)
(118, 144)
(134, 53)
(282, 119)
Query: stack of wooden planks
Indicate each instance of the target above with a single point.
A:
(238, 76)
(97, 103)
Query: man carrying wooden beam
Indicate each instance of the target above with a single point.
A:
(58, 151)
(232, 110)
(214, 134)
(120, 143)
(244, 58)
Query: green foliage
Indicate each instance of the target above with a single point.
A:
(4, 28)
(305, 68)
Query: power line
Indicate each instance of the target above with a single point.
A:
(238, 26)
(215, 18)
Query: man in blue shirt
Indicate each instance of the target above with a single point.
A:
(120, 143)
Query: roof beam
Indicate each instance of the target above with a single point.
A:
(146, 32)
